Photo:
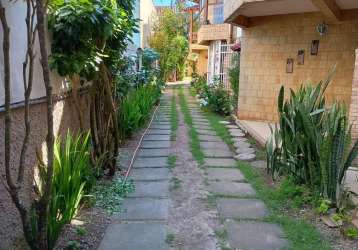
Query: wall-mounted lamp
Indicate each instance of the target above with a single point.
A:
(322, 28)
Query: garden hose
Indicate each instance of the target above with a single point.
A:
(139, 144)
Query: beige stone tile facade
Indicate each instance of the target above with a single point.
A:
(270, 41)
(353, 115)
(214, 32)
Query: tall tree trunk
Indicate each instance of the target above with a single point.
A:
(7, 87)
(27, 71)
(43, 205)
(75, 80)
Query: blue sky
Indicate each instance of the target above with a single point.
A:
(162, 2)
(168, 2)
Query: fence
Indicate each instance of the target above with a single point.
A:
(220, 60)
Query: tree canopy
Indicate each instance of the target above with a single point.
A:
(170, 41)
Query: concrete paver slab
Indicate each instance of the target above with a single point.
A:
(220, 162)
(149, 236)
(224, 174)
(155, 144)
(134, 209)
(157, 189)
(155, 162)
(255, 235)
(153, 152)
(231, 188)
(241, 208)
(149, 174)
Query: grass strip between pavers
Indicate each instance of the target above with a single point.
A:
(173, 118)
(172, 159)
(193, 134)
(300, 233)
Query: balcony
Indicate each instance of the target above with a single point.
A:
(231, 8)
(212, 32)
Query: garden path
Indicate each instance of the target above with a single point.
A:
(181, 204)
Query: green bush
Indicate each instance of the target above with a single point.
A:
(213, 96)
(73, 176)
(135, 108)
(312, 143)
(128, 77)
(198, 82)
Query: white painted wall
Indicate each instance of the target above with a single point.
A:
(147, 17)
(144, 11)
(15, 13)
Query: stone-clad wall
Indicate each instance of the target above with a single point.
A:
(214, 32)
(354, 103)
(268, 43)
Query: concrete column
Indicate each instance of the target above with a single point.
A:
(353, 113)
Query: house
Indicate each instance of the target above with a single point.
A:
(198, 53)
(290, 42)
(218, 36)
(145, 12)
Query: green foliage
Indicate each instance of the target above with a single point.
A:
(170, 41)
(169, 239)
(174, 120)
(324, 206)
(135, 108)
(288, 196)
(73, 176)
(175, 183)
(351, 233)
(193, 134)
(73, 245)
(149, 56)
(312, 143)
(198, 83)
(81, 231)
(109, 195)
(87, 32)
(221, 131)
(213, 96)
(172, 159)
(234, 76)
(295, 195)
(128, 77)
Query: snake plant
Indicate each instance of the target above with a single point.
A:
(313, 142)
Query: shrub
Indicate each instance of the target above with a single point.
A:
(213, 96)
(72, 177)
(312, 143)
(135, 108)
(127, 77)
(198, 82)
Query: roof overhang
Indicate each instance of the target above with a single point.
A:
(239, 12)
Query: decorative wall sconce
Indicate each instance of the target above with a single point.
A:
(314, 47)
(301, 57)
(322, 28)
(289, 65)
